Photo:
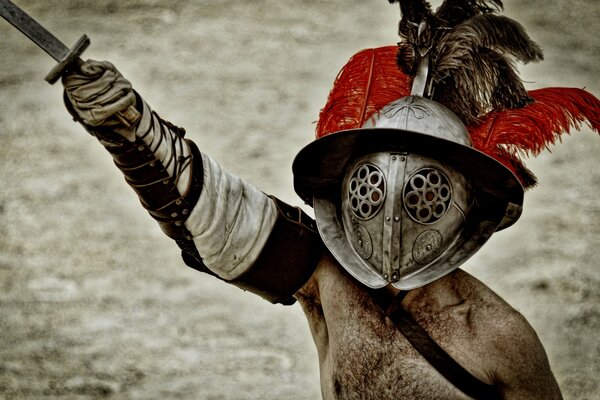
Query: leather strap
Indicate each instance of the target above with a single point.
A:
(288, 259)
(437, 357)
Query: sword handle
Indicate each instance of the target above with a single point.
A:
(129, 117)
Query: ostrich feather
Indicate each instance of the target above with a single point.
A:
(474, 67)
(508, 135)
(370, 80)
(488, 31)
(413, 12)
(472, 51)
(480, 84)
(453, 12)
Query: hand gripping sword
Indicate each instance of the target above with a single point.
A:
(68, 59)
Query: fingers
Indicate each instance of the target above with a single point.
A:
(94, 80)
(93, 68)
(86, 71)
(101, 114)
(97, 92)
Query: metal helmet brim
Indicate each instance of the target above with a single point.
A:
(321, 164)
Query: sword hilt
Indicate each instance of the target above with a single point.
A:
(128, 117)
(68, 60)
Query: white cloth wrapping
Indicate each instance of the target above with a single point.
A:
(231, 221)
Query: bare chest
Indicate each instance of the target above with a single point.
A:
(362, 354)
(382, 366)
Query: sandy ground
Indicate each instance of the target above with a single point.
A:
(96, 303)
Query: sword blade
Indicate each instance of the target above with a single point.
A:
(33, 30)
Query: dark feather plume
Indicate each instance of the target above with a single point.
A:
(453, 12)
(413, 45)
(474, 68)
(413, 12)
(473, 53)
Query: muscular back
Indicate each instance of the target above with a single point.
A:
(363, 356)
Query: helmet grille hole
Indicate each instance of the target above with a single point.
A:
(427, 195)
(417, 182)
(366, 191)
(434, 178)
(365, 209)
(439, 209)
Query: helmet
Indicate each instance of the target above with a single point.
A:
(405, 199)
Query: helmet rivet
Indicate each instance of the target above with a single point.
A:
(396, 219)
(393, 157)
(385, 276)
(402, 158)
(428, 247)
(387, 218)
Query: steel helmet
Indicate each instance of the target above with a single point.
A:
(404, 198)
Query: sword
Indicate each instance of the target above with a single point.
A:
(68, 59)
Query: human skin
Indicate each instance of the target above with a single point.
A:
(362, 355)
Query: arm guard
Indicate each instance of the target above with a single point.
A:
(150, 177)
(287, 260)
(278, 250)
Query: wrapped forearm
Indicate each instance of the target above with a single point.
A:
(223, 225)
(231, 221)
(231, 229)
(157, 162)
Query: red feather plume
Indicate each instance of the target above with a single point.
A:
(509, 134)
(370, 80)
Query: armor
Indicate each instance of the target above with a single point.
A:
(405, 199)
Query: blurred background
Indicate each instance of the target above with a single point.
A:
(96, 303)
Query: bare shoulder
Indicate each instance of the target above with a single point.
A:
(504, 349)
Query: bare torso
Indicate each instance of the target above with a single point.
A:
(363, 356)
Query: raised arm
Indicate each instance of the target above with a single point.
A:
(223, 225)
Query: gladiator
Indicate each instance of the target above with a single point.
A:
(411, 172)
